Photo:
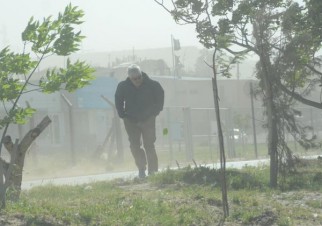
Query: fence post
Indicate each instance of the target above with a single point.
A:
(170, 135)
(188, 133)
(71, 127)
(209, 133)
(230, 133)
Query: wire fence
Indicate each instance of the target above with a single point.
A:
(191, 135)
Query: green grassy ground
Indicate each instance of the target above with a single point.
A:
(181, 197)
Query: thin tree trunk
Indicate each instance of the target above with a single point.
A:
(18, 157)
(221, 143)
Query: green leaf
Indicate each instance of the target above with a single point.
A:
(75, 76)
(44, 38)
(165, 131)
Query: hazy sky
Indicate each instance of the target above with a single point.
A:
(109, 25)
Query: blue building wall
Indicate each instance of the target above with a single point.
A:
(89, 97)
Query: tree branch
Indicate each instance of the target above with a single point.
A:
(298, 97)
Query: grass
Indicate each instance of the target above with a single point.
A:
(107, 204)
(189, 196)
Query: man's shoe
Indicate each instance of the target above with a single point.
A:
(142, 174)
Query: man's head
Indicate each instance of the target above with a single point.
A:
(135, 75)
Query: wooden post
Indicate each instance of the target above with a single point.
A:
(71, 127)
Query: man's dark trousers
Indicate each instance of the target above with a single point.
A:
(145, 129)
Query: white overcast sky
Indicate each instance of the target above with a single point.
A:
(110, 25)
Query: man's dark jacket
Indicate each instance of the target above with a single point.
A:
(139, 103)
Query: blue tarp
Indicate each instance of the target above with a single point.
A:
(90, 96)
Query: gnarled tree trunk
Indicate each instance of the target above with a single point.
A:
(12, 171)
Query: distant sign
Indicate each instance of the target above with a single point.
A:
(90, 96)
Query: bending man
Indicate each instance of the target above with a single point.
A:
(138, 100)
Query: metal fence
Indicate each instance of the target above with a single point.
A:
(192, 134)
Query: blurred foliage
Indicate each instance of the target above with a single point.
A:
(43, 39)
